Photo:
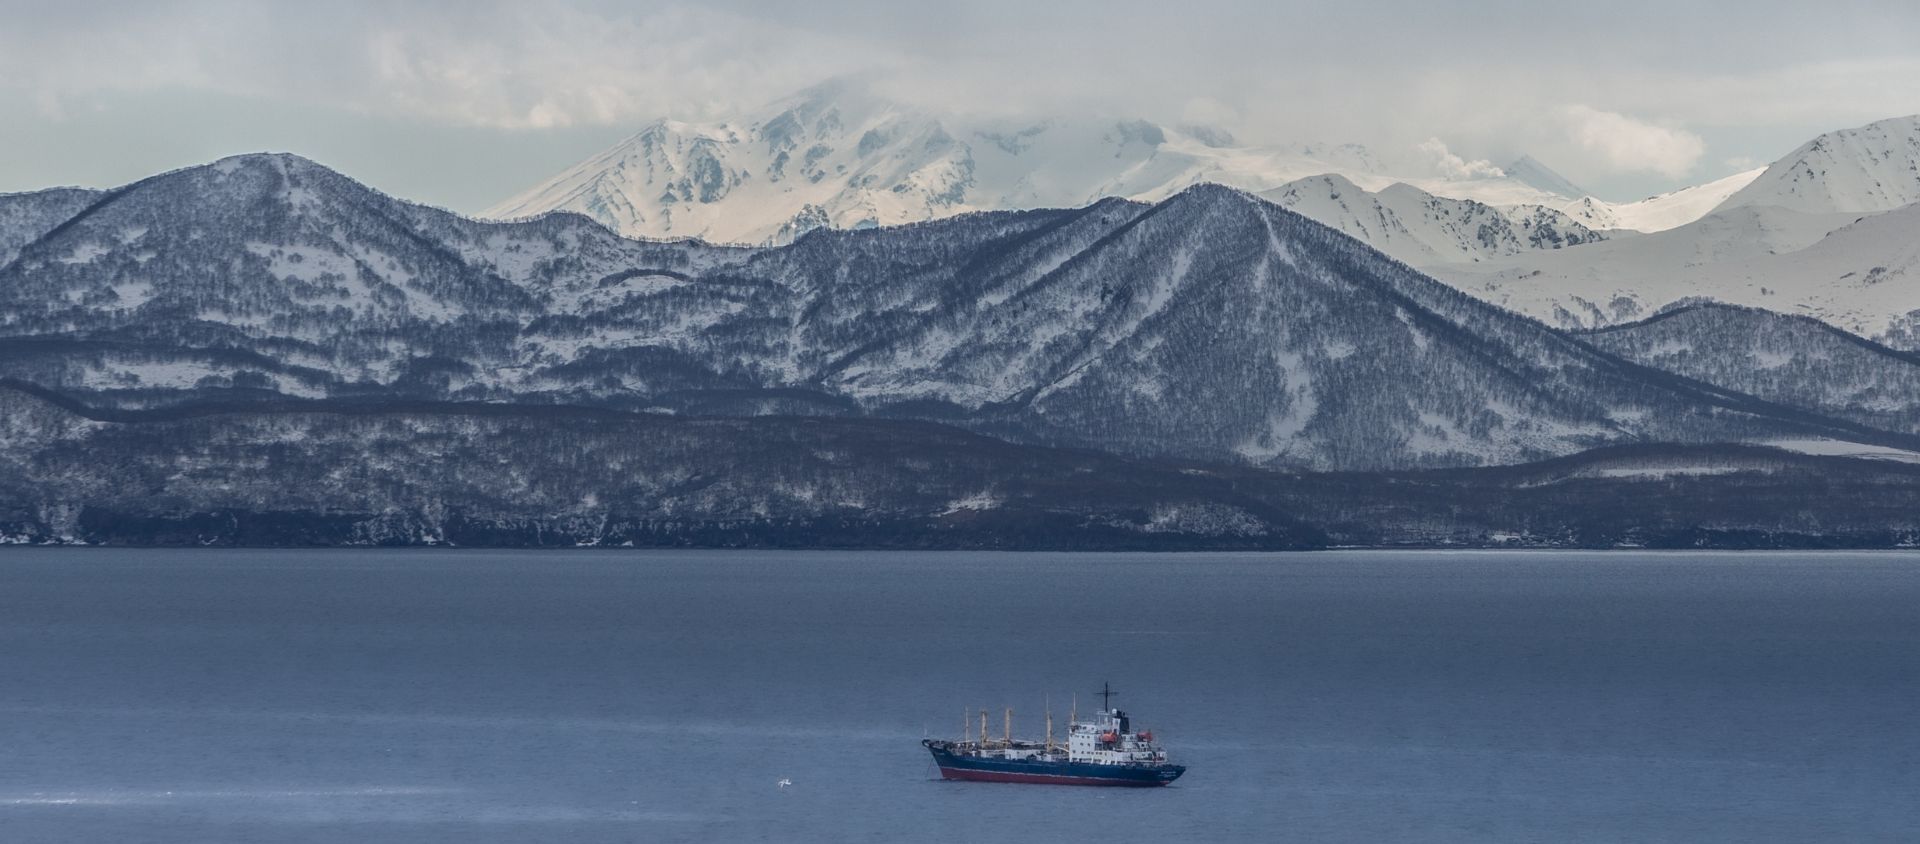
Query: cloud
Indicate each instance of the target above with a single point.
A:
(1451, 166)
(1209, 111)
(1627, 145)
(1754, 77)
(554, 63)
(1832, 92)
(554, 66)
(530, 65)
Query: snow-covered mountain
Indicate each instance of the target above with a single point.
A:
(1660, 212)
(264, 350)
(1420, 229)
(1835, 267)
(1209, 326)
(1820, 233)
(1875, 167)
(175, 278)
(838, 155)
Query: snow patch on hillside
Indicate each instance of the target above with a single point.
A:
(1842, 448)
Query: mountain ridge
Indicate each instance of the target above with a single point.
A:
(264, 350)
(1419, 228)
(1095, 327)
(1089, 327)
(1875, 167)
(1792, 360)
(1659, 212)
(1842, 268)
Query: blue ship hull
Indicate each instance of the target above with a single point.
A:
(955, 766)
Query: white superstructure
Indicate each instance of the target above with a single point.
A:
(1110, 740)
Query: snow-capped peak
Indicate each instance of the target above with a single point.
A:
(1875, 167)
(1420, 228)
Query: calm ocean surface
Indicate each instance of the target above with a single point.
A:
(198, 696)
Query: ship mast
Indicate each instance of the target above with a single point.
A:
(1049, 702)
(1008, 735)
(1106, 696)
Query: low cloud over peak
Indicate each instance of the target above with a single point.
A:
(1625, 144)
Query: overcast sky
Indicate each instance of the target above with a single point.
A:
(463, 103)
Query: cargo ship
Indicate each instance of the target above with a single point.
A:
(1103, 751)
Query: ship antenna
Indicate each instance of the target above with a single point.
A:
(1106, 695)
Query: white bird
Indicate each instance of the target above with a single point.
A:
(785, 782)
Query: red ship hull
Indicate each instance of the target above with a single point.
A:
(1045, 779)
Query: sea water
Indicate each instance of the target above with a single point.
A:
(437, 695)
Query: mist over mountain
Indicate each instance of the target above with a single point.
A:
(839, 155)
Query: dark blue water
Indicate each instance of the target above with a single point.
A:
(586, 696)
